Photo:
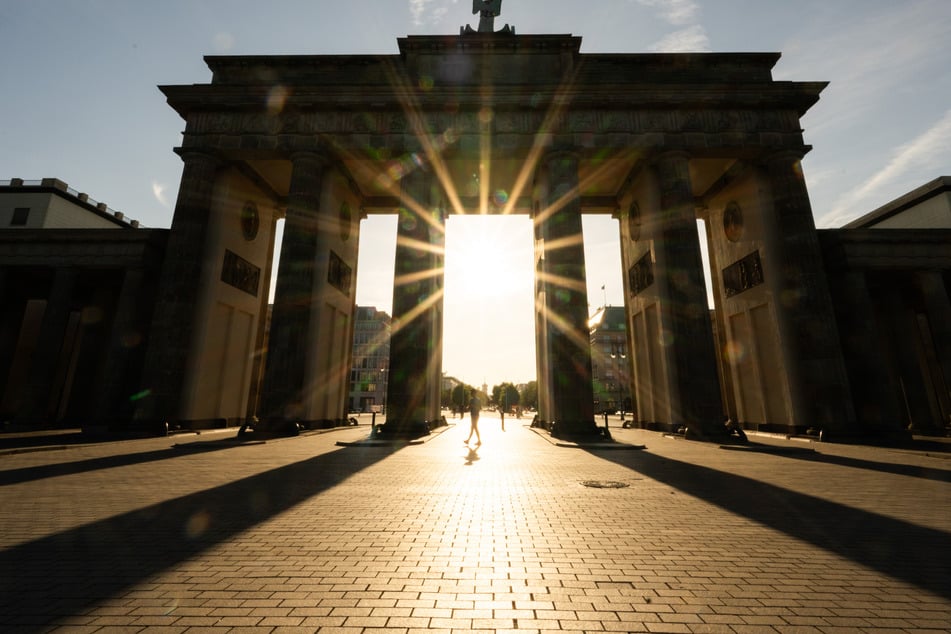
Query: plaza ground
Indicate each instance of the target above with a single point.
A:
(195, 533)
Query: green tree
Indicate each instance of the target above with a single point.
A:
(459, 396)
(529, 395)
(507, 396)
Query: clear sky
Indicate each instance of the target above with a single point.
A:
(80, 103)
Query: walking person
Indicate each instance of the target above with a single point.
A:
(475, 406)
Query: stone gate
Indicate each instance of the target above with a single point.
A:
(655, 140)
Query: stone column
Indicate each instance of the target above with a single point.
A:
(412, 396)
(289, 350)
(935, 295)
(12, 305)
(36, 406)
(877, 394)
(113, 399)
(812, 353)
(913, 371)
(542, 366)
(563, 340)
(685, 318)
(176, 309)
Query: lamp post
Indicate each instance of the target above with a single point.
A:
(618, 351)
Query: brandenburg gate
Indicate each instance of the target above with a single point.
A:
(655, 140)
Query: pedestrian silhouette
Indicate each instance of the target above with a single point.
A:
(475, 406)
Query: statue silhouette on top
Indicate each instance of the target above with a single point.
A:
(488, 10)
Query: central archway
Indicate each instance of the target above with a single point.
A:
(489, 332)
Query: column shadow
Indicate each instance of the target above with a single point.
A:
(915, 554)
(66, 574)
(40, 472)
(912, 471)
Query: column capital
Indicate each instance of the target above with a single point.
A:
(783, 156)
(316, 155)
(670, 155)
(564, 152)
(190, 154)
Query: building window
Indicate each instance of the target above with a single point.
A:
(20, 214)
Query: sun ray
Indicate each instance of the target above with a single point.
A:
(420, 245)
(571, 194)
(433, 146)
(563, 243)
(485, 157)
(542, 139)
(578, 337)
(562, 281)
(404, 320)
(418, 276)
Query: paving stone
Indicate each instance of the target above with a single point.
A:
(304, 534)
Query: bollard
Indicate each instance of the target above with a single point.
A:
(373, 425)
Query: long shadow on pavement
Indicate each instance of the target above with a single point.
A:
(48, 579)
(902, 550)
(40, 472)
(912, 471)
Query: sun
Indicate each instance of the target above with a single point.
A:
(489, 257)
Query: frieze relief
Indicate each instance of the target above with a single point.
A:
(396, 124)
(616, 121)
(583, 121)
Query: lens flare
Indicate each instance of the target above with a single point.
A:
(197, 524)
(276, 98)
(138, 396)
(407, 220)
(734, 351)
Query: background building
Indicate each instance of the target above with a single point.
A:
(77, 292)
(890, 276)
(371, 360)
(610, 361)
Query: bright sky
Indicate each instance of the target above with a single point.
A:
(80, 103)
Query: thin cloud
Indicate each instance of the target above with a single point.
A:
(916, 162)
(679, 13)
(862, 75)
(676, 12)
(158, 190)
(691, 39)
(424, 13)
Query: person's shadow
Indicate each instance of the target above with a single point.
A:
(472, 456)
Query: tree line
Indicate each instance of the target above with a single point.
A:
(504, 396)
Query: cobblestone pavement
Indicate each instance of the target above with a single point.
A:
(204, 533)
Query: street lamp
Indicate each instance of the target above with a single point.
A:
(618, 351)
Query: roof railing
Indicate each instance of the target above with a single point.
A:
(83, 197)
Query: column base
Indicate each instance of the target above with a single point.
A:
(578, 431)
(402, 430)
